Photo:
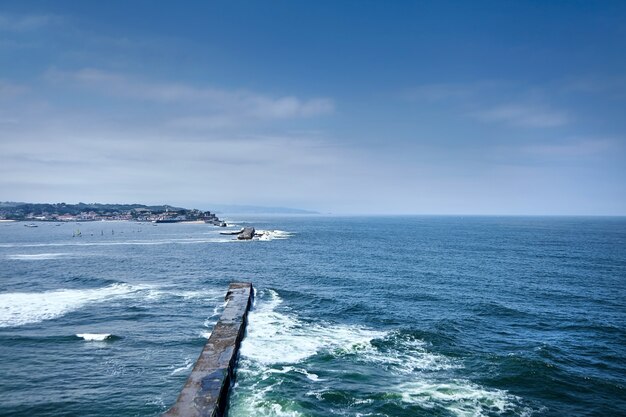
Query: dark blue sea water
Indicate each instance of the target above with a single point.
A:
(385, 316)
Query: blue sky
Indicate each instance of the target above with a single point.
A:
(343, 107)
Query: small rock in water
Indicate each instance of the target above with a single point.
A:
(246, 234)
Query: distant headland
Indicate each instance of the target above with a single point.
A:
(62, 212)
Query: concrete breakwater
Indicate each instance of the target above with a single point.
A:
(205, 393)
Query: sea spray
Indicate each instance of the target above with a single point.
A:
(280, 346)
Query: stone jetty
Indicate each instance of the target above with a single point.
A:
(205, 393)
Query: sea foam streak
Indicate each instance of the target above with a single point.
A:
(38, 256)
(461, 397)
(273, 234)
(408, 355)
(21, 308)
(156, 242)
(188, 364)
(279, 345)
(98, 337)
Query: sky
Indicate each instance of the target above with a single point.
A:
(351, 107)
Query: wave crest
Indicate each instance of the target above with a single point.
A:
(284, 356)
(20, 308)
(98, 337)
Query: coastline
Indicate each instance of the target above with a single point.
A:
(81, 212)
(98, 220)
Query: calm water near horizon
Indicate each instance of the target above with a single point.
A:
(354, 316)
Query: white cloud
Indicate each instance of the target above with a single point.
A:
(215, 107)
(99, 163)
(522, 115)
(482, 100)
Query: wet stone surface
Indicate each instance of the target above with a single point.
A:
(206, 391)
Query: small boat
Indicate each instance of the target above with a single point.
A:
(31, 225)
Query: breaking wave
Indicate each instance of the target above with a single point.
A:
(297, 340)
(97, 337)
(20, 308)
(283, 352)
(39, 256)
(461, 397)
(274, 234)
(155, 242)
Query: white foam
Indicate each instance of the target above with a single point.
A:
(94, 336)
(287, 369)
(211, 321)
(461, 397)
(19, 308)
(188, 364)
(312, 376)
(182, 241)
(257, 405)
(278, 342)
(274, 234)
(275, 337)
(38, 256)
(158, 293)
(407, 356)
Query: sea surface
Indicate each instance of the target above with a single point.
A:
(353, 316)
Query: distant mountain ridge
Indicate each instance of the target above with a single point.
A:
(249, 209)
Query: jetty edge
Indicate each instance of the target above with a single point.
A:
(205, 393)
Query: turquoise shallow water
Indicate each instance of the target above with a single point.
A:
(396, 316)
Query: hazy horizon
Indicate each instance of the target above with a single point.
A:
(429, 108)
(236, 209)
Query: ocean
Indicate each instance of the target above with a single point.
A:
(353, 316)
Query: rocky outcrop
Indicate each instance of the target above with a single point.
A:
(246, 234)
